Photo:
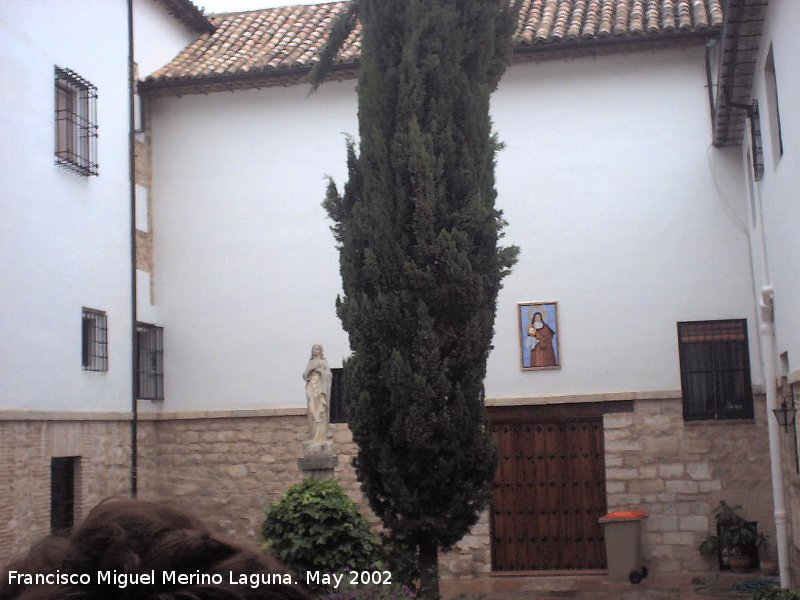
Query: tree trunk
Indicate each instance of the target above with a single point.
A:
(429, 569)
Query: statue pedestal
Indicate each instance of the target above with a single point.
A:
(318, 460)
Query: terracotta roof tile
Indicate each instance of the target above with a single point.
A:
(189, 14)
(276, 42)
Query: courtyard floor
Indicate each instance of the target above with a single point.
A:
(691, 586)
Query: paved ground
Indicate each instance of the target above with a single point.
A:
(694, 586)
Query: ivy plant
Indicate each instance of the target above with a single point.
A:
(315, 526)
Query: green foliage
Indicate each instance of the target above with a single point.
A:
(420, 261)
(399, 556)
(315, 526)
(776, 593)
(735, 533)
(346, 591)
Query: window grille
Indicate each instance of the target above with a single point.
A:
(715, 370)
(94, 340)
(150, 345)
(76, 122)
(62, 493)
(772, 105)
(755, 139)
(338, 412)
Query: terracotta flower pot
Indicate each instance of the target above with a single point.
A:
(739, 564)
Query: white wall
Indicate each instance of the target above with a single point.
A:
(158, 36)
(246, 273)
(63, 237)
(778, 189)
(605, 181)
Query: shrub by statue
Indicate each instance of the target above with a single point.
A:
(317, 527)
(776, 593)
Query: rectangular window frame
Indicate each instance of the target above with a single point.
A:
(94, 340)
(773, 106)
(338, 408)
(75, 123)
(150, 348)
(715, 370)
(64, 482)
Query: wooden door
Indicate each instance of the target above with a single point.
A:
(549, 492)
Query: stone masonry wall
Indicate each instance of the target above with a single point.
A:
(228, 467)
(26, 449)
(676, 471)
(225, 470)
(228, 470)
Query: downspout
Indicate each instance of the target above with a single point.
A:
(132, 177)
(765, 299)
(710, 43)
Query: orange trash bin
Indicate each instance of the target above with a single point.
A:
(623, 533)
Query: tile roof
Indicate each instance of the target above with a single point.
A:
(191, 16)
(277, 46)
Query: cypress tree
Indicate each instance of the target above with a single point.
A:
(421, 264)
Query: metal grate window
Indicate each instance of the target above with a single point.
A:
(63, 477)
(150, 345)
(338, 412)
(94, 340)
(715, 370)
(76, 122)
(755, 139)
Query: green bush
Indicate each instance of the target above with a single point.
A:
(317, 527)
(776, 593)
(400, 557)
(394, 591)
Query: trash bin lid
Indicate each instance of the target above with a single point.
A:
(624, 515)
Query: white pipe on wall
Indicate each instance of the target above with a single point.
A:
(765, 300)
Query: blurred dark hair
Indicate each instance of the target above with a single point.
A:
(134, 537)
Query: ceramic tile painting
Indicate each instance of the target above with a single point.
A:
(538, 335)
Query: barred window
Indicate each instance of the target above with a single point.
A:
(338, 412)
(63, 483)
(150, 345)
(715, 370)
(772, 105)
(76, 122)
(94, 340)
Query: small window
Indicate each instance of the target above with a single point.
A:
(338, 413)
(76, 122)
(94, 340)
(715, 370)
(150, 345)
(772, 106)
(63, 479)
(757, 151)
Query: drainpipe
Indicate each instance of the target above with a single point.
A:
(765, 298)
(132, 177)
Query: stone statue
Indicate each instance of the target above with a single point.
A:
(318, 394)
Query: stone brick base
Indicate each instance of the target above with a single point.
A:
(226, 470)
(228, 467)
(677, 472)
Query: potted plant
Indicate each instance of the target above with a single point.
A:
(737, 539)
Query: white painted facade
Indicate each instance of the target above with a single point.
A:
(777, 192)
(246, 272)
(64, 237)
(615, 210)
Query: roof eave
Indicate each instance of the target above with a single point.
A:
(522, 53)
(188, 14)
(740, 45)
